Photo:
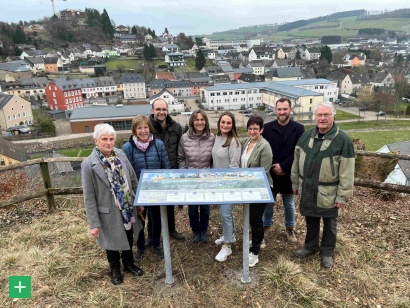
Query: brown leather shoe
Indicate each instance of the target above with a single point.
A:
(290, 235)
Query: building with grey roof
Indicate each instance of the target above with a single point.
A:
(401, 172)
(303, 95)
(83, 120)
(11, 153)
(133, 86)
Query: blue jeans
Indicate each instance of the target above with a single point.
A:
(199, 217)
(228, 225)
(289, 206)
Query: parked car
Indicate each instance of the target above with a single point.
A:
(272, 113)
(405, 99)
(380, 113)
(338, 102)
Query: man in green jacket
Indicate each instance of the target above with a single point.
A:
(323, 176)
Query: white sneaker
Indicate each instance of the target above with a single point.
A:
(223, 254)
(263, 244)
(221, 240)
(253, 259)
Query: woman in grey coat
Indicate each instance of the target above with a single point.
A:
(109, 184)
(195, 152)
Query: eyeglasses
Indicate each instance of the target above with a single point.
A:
(323, 115)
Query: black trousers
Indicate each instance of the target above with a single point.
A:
(154, 227)
(171, 218)
(255, 220)
(328, 243)
(114, 256)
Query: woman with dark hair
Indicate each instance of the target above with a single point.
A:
(226, 153)
(256, 152)
(109, 184)
(144, 151)
(195, 151)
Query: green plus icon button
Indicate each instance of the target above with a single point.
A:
(19, 286)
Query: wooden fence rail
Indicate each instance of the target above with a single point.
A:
(49, 192)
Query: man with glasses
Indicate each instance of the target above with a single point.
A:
(169, 131)
(282, 135)
(323, 176)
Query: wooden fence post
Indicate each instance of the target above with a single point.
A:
(48, 185)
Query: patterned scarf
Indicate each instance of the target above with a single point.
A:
(119, 186)
(142, 146)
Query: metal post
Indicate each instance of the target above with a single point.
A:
(245, 278)
(169, 280)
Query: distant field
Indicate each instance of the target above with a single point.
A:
(346, 27)
(123, 63)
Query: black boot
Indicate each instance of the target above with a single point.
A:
(116, 276)
(133, 269)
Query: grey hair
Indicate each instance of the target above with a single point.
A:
(326, 105)
(104, 129)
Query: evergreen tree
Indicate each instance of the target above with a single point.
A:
(153, 34)
(166, 30)
(297, 56)
(35, 43)
(199, 60)
(107, 25)
(146, 52)
(19, 37)
(326, 54)
(152, 51)
(134, 30)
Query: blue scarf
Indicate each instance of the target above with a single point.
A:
(119, 186)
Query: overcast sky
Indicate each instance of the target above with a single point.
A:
(194, 17)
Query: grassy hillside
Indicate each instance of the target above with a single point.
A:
(69, 270)
(345, 27)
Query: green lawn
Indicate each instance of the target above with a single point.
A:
(123, 63)
(343, 115)
(69, 152)
(375, 140)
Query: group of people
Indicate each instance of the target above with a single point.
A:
(317, 165)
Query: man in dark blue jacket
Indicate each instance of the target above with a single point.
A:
(169, 131)
(282, 135)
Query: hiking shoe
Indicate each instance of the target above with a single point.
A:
(327, 261)
(195, 237)
(158, 253)
(290, 235)
(253, 259)
(223, 253)
(139, 255)
(303, 253)
(176, 235)
(221, 240)
(204, 237)
(263, 244)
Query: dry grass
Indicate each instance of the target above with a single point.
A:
(372, 262)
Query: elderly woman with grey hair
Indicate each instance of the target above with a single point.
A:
(109, 183)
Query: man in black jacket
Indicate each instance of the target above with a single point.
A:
(282, 135)
(169, 132)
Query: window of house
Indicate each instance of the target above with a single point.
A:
(9, 118)
(54, 94)
(66, 101)
(28, 113)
